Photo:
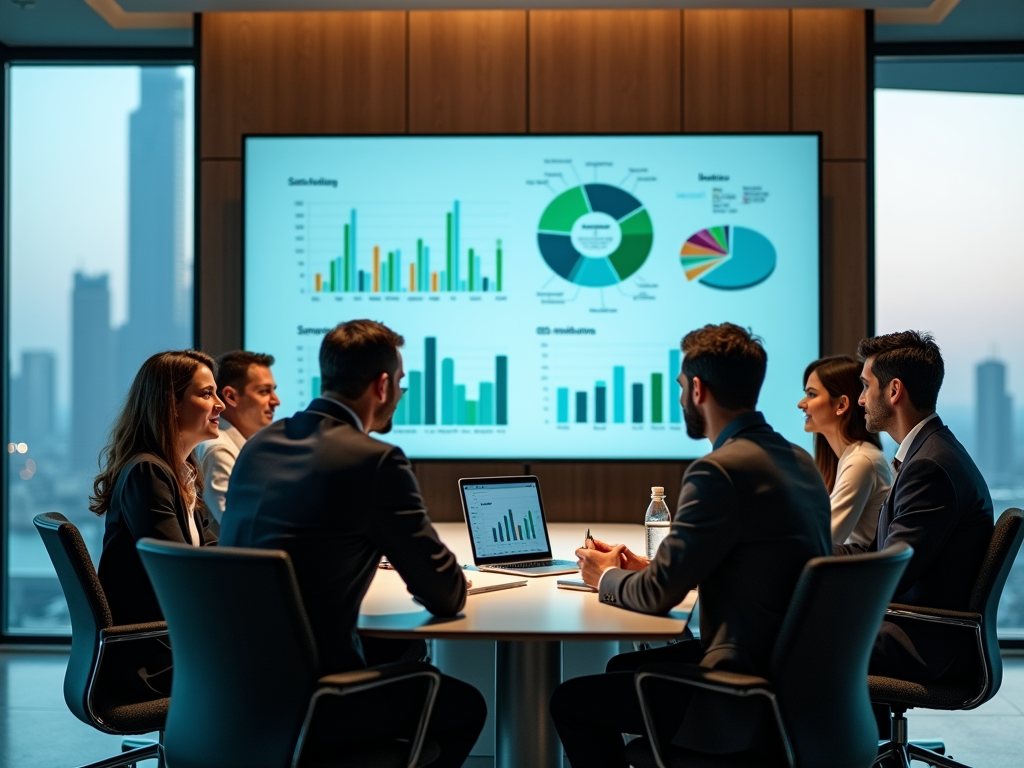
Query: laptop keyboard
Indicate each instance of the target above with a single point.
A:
(538, 564)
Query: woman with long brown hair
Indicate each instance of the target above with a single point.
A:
(849, 457)
(151, 485)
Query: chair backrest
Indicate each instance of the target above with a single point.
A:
(819, 667)
(1002, 551)
(86, 602)
(245, 663)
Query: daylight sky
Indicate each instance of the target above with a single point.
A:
(69, 195)
(949, 204)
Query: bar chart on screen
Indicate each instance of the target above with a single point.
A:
(640, 392)
(410, 249)
(505, 518)
(440, 394)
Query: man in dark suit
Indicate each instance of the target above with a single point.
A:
(751, 514)
(335, 499)
(938, 504)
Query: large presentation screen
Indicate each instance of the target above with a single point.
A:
(542, 283)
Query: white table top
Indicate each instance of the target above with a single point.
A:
(538, 611)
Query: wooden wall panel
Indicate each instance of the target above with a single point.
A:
(605, 492)
(467, 72)
(736, 71)
(335, 72)
(439, 483)
(845, 242)
(218, 279)
(829, 80)
(604, 71)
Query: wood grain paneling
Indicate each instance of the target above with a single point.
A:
(439, 483)
(845, 272)
(467, 72)
(605, 492)
(335, 72)
(736, 71)
(829, 76)
(604, 71)
(219, 277)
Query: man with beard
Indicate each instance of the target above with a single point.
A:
(750, 515)
(938, 504)
(317, 486)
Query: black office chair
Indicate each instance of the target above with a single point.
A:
(246, 687)
(816, 687)
(88, 695)
(980, 621)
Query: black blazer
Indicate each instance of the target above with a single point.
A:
(751, 514)
(335, 499)
(938, 504)
(145, 502)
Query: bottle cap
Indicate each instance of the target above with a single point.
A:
(657, 490)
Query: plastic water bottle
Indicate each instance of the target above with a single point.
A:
(657, 521)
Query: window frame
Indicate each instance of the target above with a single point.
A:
(11, 56)
(915, 50)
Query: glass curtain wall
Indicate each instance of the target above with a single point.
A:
(949, 158)
(99, 267)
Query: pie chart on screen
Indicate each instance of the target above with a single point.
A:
(728, 258)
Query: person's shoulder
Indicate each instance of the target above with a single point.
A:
(144, 475)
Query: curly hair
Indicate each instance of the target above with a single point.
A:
(729, 360)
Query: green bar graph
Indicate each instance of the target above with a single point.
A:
(628, 403)
(656, 398)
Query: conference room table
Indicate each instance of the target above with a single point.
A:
(529, 625)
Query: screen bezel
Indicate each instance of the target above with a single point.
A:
(521, 557)
(526, 458)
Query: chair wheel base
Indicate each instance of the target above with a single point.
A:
(130, 757)
(893, 755)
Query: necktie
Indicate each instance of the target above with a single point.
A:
(896, 464)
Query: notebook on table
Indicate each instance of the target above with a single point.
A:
(507, 528)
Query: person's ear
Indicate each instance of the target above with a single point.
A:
(844, 403)
(698, 392)
(380, 387)
(230, 397)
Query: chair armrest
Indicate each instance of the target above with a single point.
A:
(359, 680)
(934, 615)
(716, 680)
(124, 632)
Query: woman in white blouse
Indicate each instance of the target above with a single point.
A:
(849, 457)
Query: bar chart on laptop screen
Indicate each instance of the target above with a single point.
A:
(505, 519)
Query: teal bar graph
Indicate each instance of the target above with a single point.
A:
(485, 411)
(341, 273)
(563, 405)
(675, 412)
(619, 394)
(447, 391)
(415, 397)
(573, 406)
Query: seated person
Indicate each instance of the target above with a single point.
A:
(151, 486)
(248, 390)
(317, 486)
(751, 514)
(850, 459)
(939, 504)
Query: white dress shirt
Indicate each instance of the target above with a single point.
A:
(217, 457)
(901, 452)
(863, 479)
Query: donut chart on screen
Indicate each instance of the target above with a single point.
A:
(728, 258)
(595, 235)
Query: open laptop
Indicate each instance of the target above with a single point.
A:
(506, 525)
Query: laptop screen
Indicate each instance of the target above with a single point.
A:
(505, 519)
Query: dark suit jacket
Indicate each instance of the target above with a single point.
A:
(751, 514)
(145, 503)
(336, 499)
(939, 505)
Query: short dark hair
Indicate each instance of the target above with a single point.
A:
(355, 353)
(914, 358)
(729, 361)
(233, 368)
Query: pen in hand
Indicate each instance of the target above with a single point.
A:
(588, 541)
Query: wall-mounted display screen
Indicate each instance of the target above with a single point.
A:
(542, 283)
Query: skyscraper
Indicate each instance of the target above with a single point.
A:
(34, 400)
(159, 305)
(994, 419)
(92, 369)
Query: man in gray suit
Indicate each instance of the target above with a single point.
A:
(751, 514)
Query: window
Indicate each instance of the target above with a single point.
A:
(99, 265)
(950, 258)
